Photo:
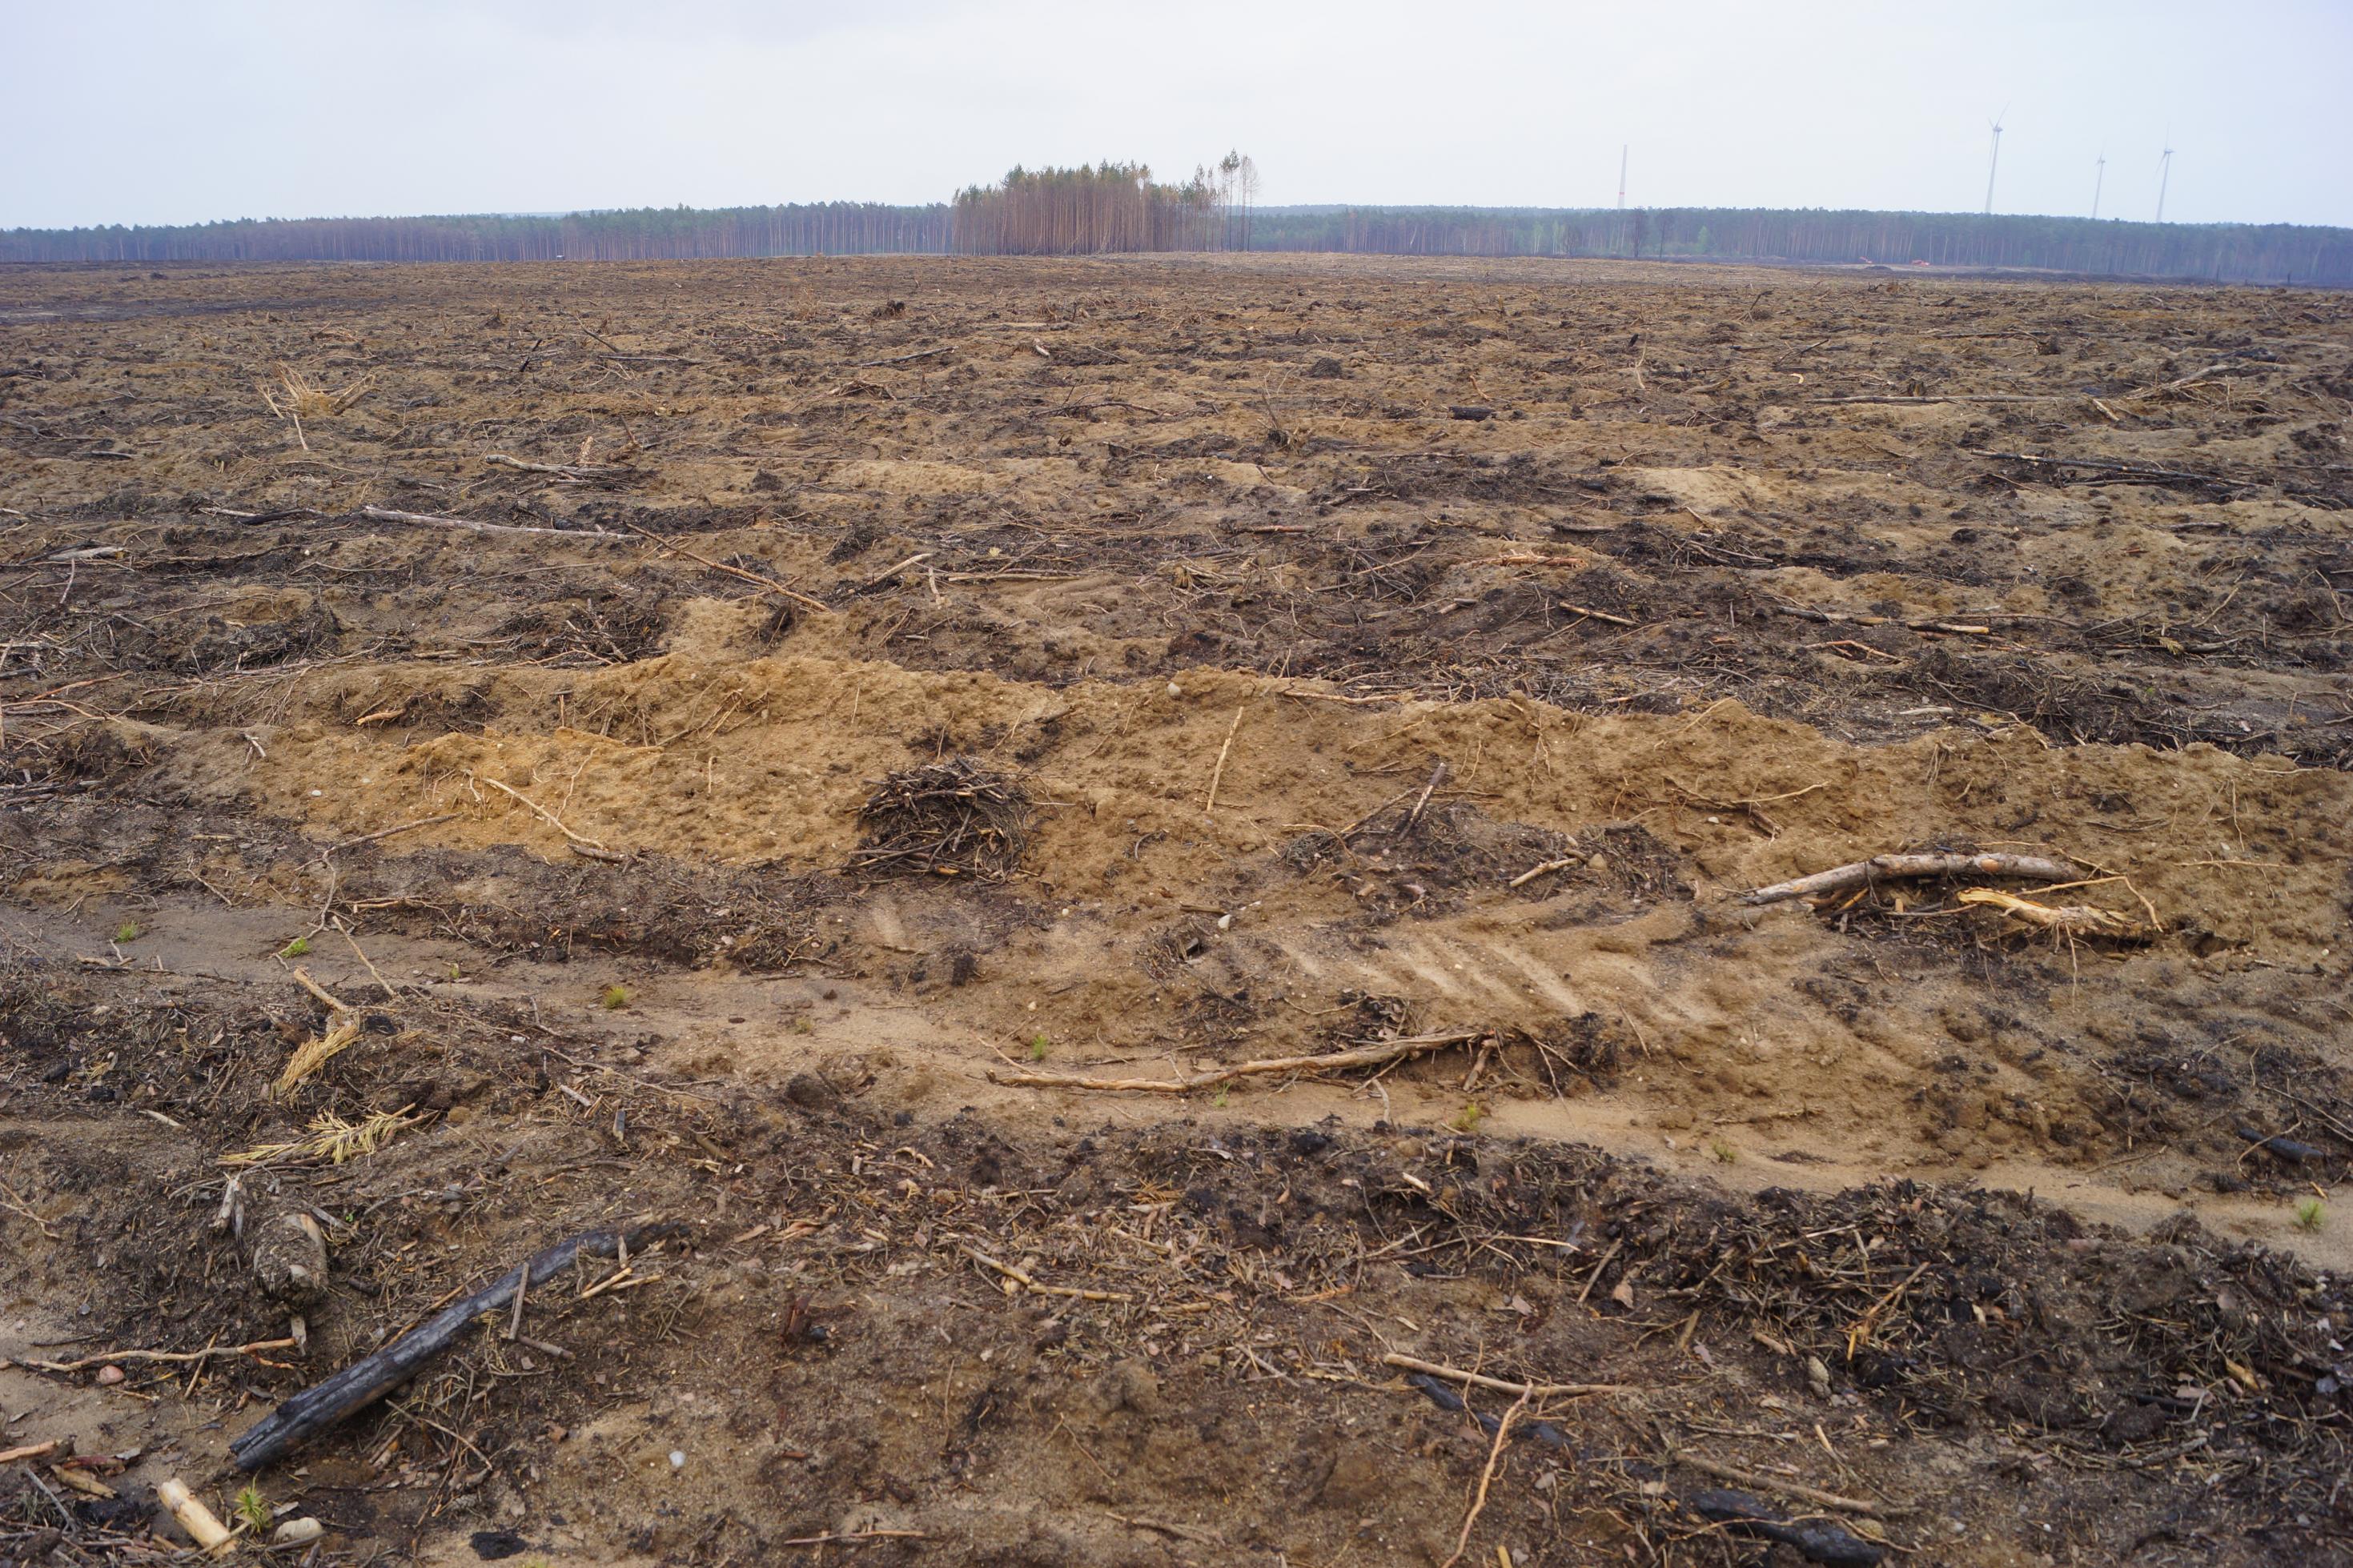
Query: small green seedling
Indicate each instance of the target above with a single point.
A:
(295, 949)
(1219, 1099)
(2310, 1213)
(1467, 1119)
(455, 973)
(127, 931)
(252, 1509)
(801, 1026)
(615, 997)
(1038, 1047)
(1725, 1153)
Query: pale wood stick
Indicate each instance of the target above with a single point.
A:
(202, 1526)
(1500, 1385)
(1361, 1055)
(1027, 1283)
(1839, 878)
(1218, 772)
(428, 520)
(1770, 1483)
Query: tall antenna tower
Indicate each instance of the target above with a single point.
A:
(1996, 163)
(1622, 150)
(2099, 174)
(2164, 172)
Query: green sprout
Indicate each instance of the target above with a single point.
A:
(1467, 1119)
(253, 1508)
(1725, 1153)
(2310, 1213)
(1038, 1047)
(615, 997)
(127, 931)
(295, 949)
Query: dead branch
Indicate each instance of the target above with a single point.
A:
(1500, 1385)
(428, 520)
(370, 1378)
(574, 473)
(1895, 867)
(1379, 1055)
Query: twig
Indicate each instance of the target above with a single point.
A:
(1862, 873)
(752, 577)
(1362, 1055)
(885, 575)
(1533, 872)
(1436, 777)
(854, 1537)
(1500, 1385)
(1218, 772)
(1027, 1283)
(1503, 1432)
(545, 814)
(183, 1357)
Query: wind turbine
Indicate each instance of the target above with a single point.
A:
(2164, 172)
(1996, 163)
(2099, 175)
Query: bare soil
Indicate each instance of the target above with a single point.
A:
(900, 681)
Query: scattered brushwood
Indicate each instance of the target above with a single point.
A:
(954, 818)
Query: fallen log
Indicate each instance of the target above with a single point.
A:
(1380, 1055)
(1898, 867)
(304, 1414)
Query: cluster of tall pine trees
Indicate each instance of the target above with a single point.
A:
(1096, 208)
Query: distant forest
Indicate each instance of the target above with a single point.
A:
(1119, 207)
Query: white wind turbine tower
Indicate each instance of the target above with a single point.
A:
(2164, 172)
(2099, 175)
(1996, 163)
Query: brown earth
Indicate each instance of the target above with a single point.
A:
(944, 673)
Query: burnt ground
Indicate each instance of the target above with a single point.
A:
(900, 682)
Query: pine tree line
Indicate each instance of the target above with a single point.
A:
(1112, 207)
(825, 228)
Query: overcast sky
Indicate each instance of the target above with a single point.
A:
(178, 110)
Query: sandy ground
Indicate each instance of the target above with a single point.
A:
(1330, 654)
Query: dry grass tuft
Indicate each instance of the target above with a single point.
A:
(297, 397)
(331, 1139)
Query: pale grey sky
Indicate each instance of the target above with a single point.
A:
(179, 110)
